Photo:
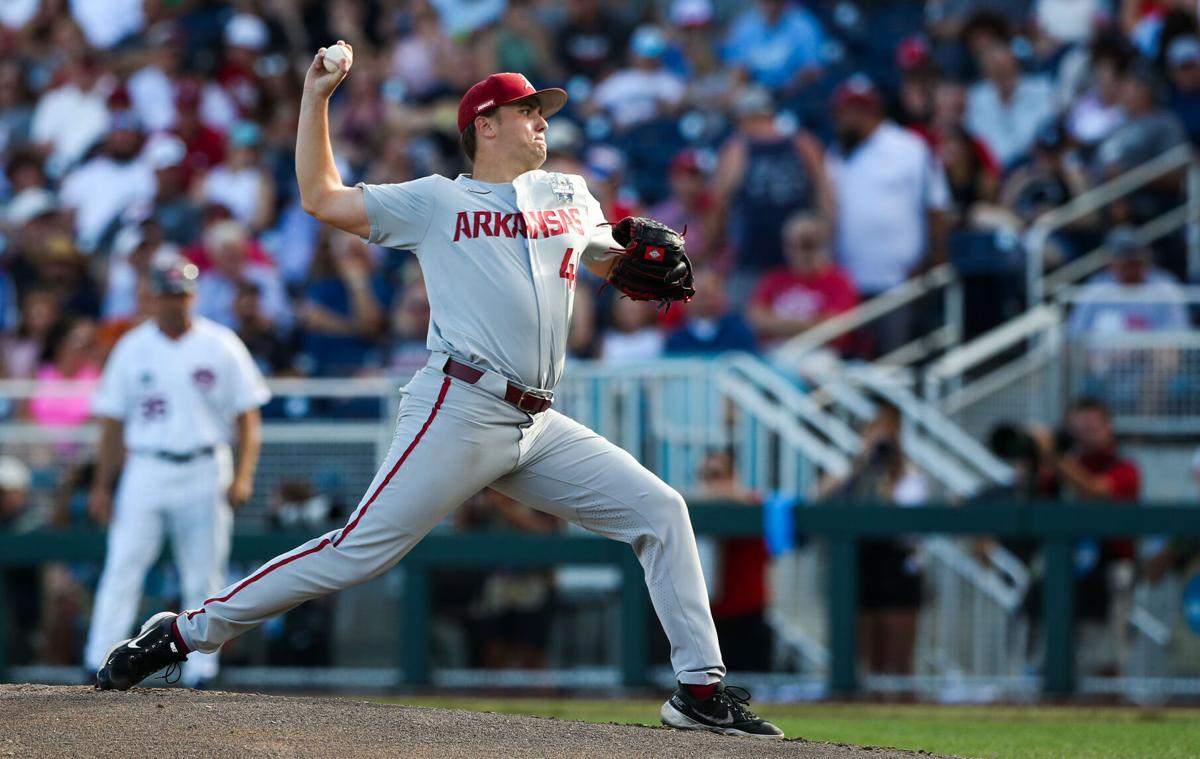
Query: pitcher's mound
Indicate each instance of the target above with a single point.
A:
(42, 720)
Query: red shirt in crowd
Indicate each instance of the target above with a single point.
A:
(805, 297)
(1124, 483)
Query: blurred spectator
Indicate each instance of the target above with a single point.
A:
(59, 267)
(272, 353)
(205, 144)
(1132, 296)
(581, 334)
(68, 356)
(1183, 68)
(99, 190)
(422, 57)
(633, 335)
(15, 480)
(152, 86)
(972, 180)
(70, 118)
(1093, 470)
(776, 45)
(891, 198)
(809, 290)
(740, 595)
(1006, 109)
(342, 318)
(1148, 130)
(108, 22)
(710, 326)
(763, 176)
(919, 78)
(1046, 181)
(1097, 112)
(16, 107)
(227, 248)
(410, 327)
(246, 39)
(30, 217)
(643, 91)
(590, 41)
(520, 42)
(889, 580)
(171, 208)
(21, 350)
(689, 205)
(710, 84)
(135, 249)
(239, 183)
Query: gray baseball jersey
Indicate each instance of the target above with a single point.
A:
(499, 264)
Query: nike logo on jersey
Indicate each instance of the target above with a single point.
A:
(527, 224)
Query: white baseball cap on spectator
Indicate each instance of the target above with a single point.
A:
(1183, 49)
(14, 475)
(163, 151)
(246, 30)
(688, 13)
(29, 204)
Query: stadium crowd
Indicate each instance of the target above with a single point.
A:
(818, 153)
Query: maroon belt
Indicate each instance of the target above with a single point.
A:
(528, 402)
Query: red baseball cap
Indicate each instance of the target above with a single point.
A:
(502, 89)
(857, 90)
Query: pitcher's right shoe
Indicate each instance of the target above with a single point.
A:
(129, 662)
(725, 711)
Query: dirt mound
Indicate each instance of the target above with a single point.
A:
(41, 720)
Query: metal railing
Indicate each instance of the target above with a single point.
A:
(1038, 236)
(942, 278)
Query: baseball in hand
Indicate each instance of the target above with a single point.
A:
(334, 55)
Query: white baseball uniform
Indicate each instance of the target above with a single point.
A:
(178, 400)
(499, 262)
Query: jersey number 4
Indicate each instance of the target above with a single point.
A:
(567, 270)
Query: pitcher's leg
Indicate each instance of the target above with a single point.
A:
(438, 458)
(579, 476)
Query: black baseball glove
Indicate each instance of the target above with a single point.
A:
(652, 264)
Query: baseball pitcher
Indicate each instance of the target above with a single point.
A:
(499, 249)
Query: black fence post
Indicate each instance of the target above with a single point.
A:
(843, 614)
(633, 620)
(1058, 615)
(414, 648)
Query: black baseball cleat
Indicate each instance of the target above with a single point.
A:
(726, 711)
(129, 662)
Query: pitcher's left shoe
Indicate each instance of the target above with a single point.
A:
(129, 662)
(725, 711)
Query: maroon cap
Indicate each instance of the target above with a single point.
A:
(502, 89)
(857, 90)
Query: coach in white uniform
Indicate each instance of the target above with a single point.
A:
(175, 391)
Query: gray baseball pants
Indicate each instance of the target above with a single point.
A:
(453, 439)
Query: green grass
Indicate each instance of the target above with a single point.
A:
(968, 731)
